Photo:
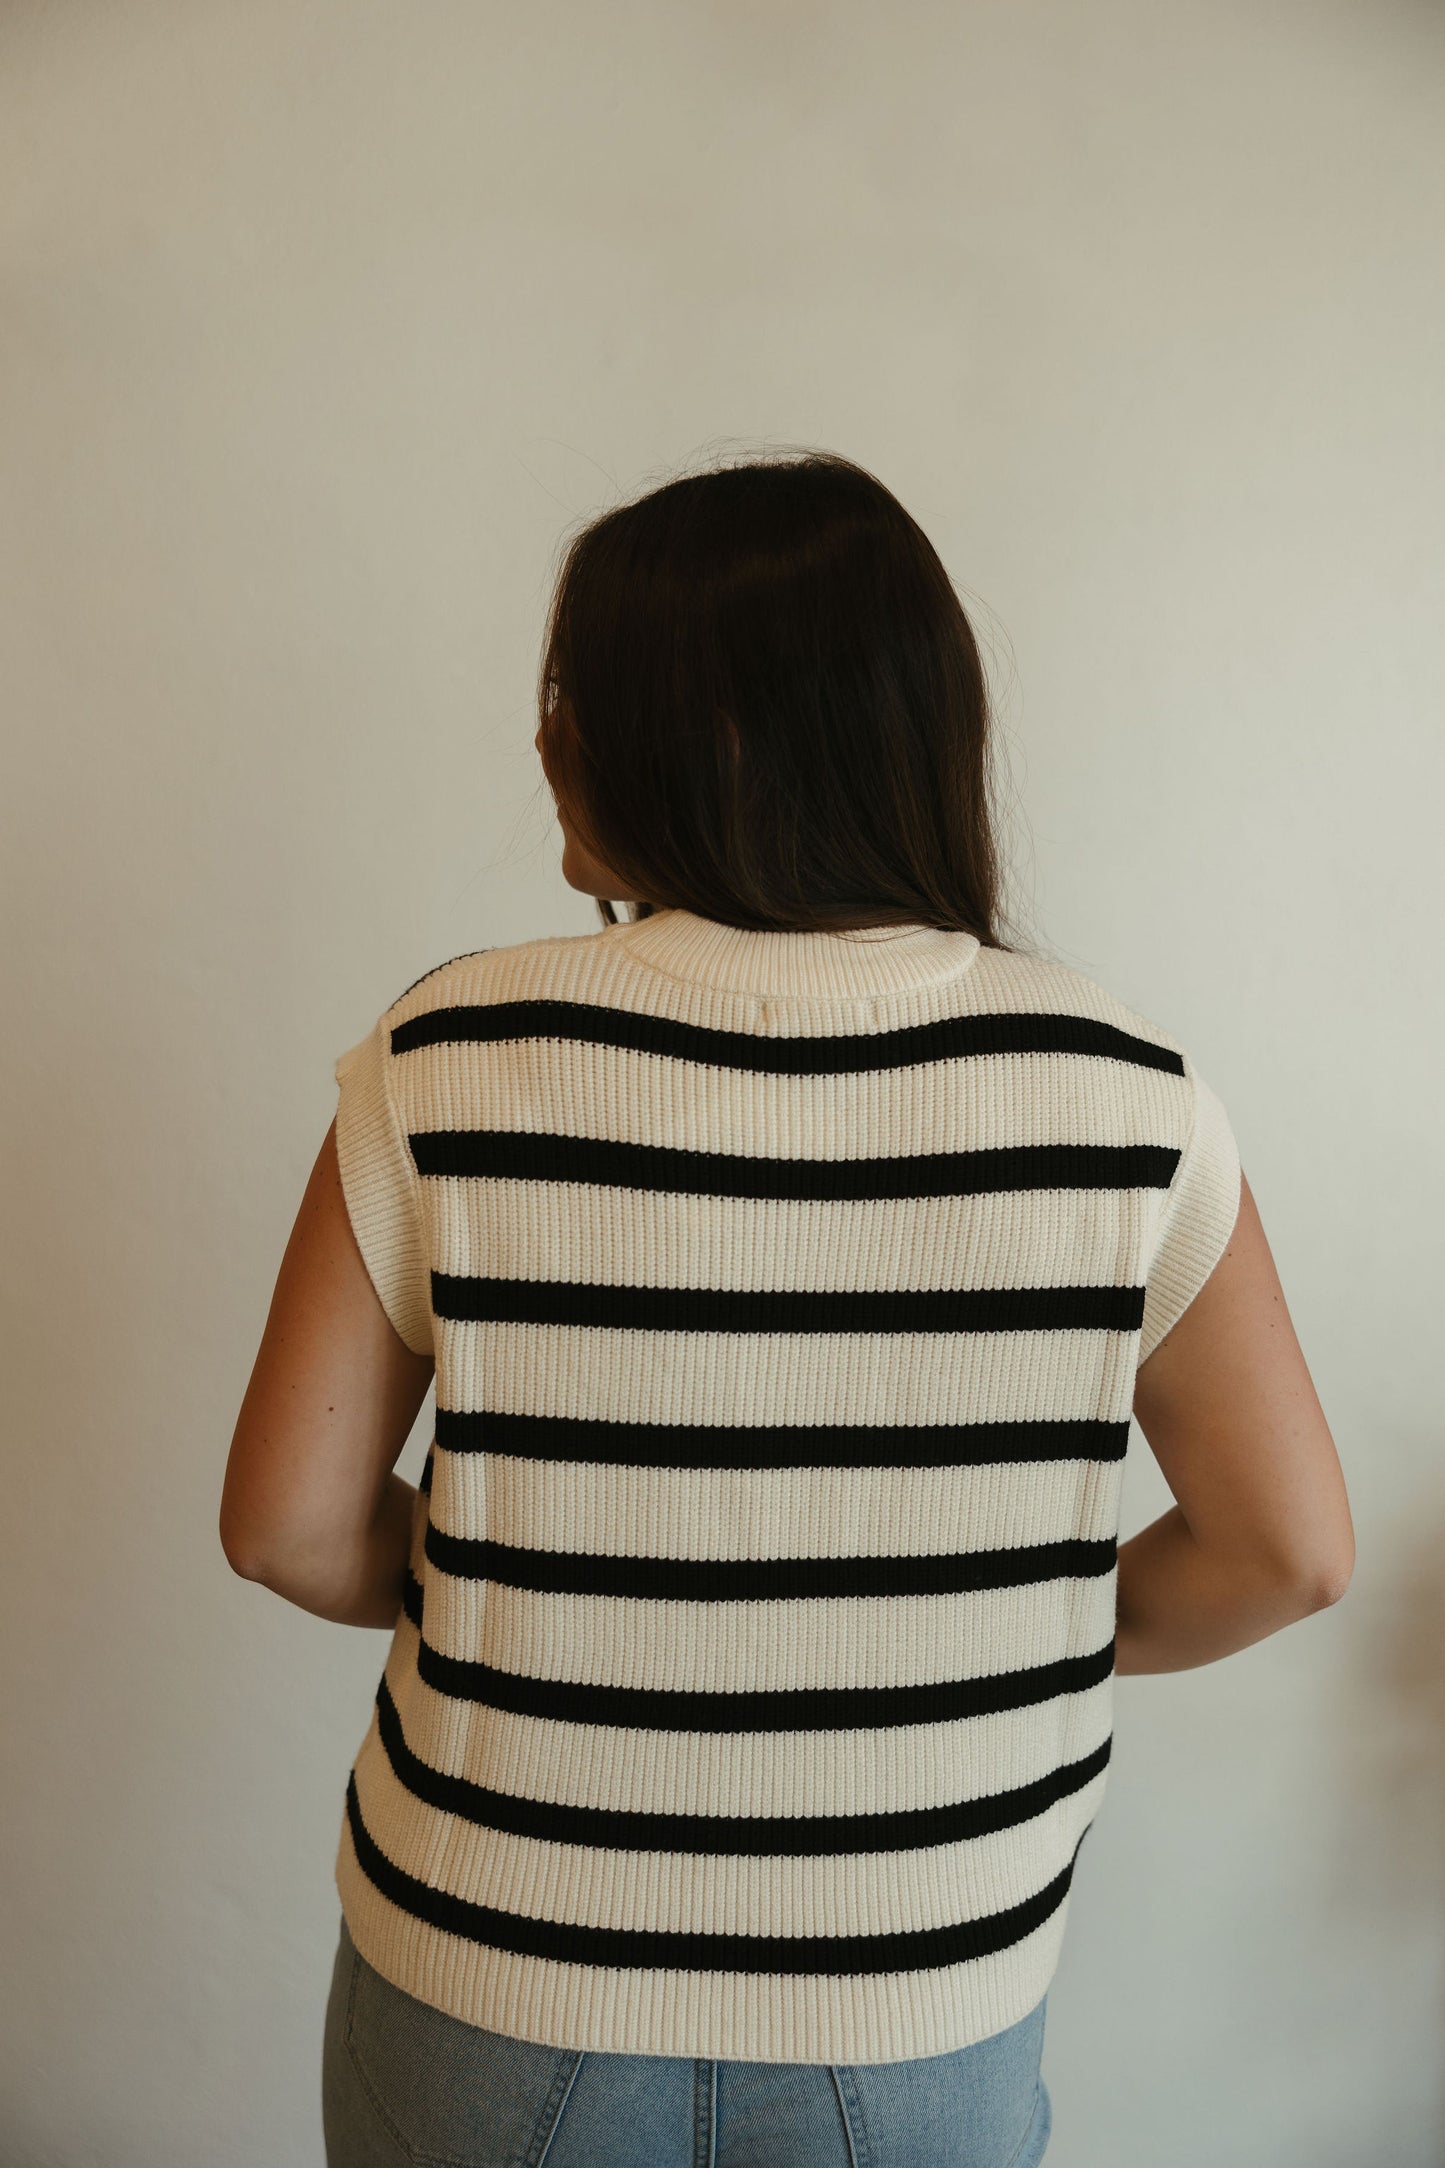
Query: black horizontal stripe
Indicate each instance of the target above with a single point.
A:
(946, 1038)
(732, 1310)
(776, 1445)
(806, 1708)
(533, 1156)
(765, 1580)
(567, 1942)
(737, 1836)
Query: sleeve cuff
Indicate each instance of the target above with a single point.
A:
(379, 1186)
(1201, 1218)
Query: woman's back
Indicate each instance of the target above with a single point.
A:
(787, 1291)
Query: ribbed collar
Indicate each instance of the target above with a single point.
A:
(865, 960)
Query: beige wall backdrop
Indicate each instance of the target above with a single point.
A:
(322, 325)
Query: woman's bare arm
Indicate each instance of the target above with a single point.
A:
(1261, 1533)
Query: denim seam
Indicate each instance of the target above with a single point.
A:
(701, 2158)
(856, 2159)
(355, 2060)
(556, 2122)
(1033, 2118)
(446, 2160)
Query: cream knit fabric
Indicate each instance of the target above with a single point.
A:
(751, 1697)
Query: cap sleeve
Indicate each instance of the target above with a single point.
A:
(379, 1181)
(1199, 1216)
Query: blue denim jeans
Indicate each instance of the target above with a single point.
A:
(403, 2082)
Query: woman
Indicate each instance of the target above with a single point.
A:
(789, 1257)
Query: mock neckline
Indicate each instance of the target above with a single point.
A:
(746, 960)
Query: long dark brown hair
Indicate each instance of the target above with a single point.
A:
(761, 699)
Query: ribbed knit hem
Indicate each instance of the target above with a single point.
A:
(833, 2018)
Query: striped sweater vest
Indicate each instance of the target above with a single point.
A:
(751, 1694)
